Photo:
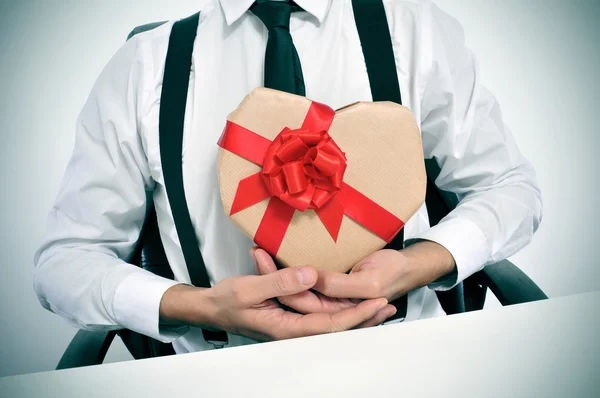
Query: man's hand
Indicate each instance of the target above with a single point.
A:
(244, 305)
(308, 302)
(388, 273)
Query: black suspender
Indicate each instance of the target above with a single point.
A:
(376, 43)
(172, 113)
(171, 122)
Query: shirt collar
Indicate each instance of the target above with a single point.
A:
(234, 9)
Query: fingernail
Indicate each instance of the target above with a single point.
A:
(305, 275)
(392, 312)
(381, 303)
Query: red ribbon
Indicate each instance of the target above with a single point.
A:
(302, 169)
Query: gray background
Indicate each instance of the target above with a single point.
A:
(541, 59)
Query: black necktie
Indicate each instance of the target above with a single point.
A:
(282, 65)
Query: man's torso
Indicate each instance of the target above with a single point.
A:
(227, 64)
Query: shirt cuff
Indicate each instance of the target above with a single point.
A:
(467, 244)
(136, 305)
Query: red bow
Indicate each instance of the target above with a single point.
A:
(302, 169)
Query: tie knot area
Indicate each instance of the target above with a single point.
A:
(274, 14)
(283, 71)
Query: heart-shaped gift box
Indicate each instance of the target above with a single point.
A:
(314, 186)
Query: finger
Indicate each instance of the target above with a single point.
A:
(355, 285)
(311, 324)
(264, 262)
(381, 316)
(285, 282)
(308, 302)
(336, 304)
(305, 302)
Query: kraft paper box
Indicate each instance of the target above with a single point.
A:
(314, 186)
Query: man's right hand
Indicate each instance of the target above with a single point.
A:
(246, 305)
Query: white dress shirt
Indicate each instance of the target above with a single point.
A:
(97, 217)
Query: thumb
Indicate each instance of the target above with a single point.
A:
(264, 262)
(284, 282)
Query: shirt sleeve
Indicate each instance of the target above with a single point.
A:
(81, 270)
(480, 164)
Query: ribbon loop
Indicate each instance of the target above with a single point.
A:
(295, 178)
(294, 148)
